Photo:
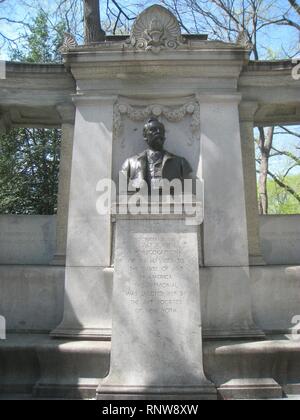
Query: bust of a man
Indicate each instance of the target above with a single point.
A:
(155, 163)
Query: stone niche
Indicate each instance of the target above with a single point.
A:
(180, 116)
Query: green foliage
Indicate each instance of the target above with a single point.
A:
(41, 44)
(280, 200)
(29, 165)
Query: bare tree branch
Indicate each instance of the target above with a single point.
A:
(286, 187)
(290, 132)
(287, 154)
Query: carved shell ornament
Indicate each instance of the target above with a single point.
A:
(155, 29)
(68, 42)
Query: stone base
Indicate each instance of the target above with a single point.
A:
(292, 389)
(71, 369)
(211, 334)
(83, 334)
(65, 369)
(59, 260)
(244, 369)
(256, 260)
(250, 389)
(196, 393)
(45, 368)
(85, 389)
(87, 304)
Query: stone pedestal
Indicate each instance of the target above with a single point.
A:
(156, 334)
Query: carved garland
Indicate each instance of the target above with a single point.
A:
(171, 114)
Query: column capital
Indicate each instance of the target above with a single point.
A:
(247, 111)
(66, 112)
(95, 99)
(216, 97)
(5, 121)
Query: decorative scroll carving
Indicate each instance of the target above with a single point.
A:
(139, 114)
(243, 40)
(154, 29)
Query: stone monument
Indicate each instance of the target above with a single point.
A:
(191, 85)
(156, 333)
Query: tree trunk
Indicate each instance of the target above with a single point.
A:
(262, 186)
(92, 25)
(295, 5)
(265, 146)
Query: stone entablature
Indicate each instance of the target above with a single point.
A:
(268, 83)
(31, 94)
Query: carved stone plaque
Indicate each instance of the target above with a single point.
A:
(156, 333)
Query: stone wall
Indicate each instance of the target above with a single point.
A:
(30, 240)
(280, 238)
(27, 239)
(32, 295)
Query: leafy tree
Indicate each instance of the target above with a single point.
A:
(29, 165)
(288, 160)
(41, 44)
(280, 200)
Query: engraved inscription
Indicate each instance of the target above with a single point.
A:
(155, 285)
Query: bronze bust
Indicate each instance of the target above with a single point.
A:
(155, 163)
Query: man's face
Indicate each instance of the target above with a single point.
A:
(155, 136)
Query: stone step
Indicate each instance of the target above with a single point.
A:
(34, 366)
(267, 368)
(43, 367)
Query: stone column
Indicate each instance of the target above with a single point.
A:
(247, 112)
(5, 123)
(225, 281)
(225, 226)
(88, 276)
(67, 113)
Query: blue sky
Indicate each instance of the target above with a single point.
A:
(275, 37)
(279, 164)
